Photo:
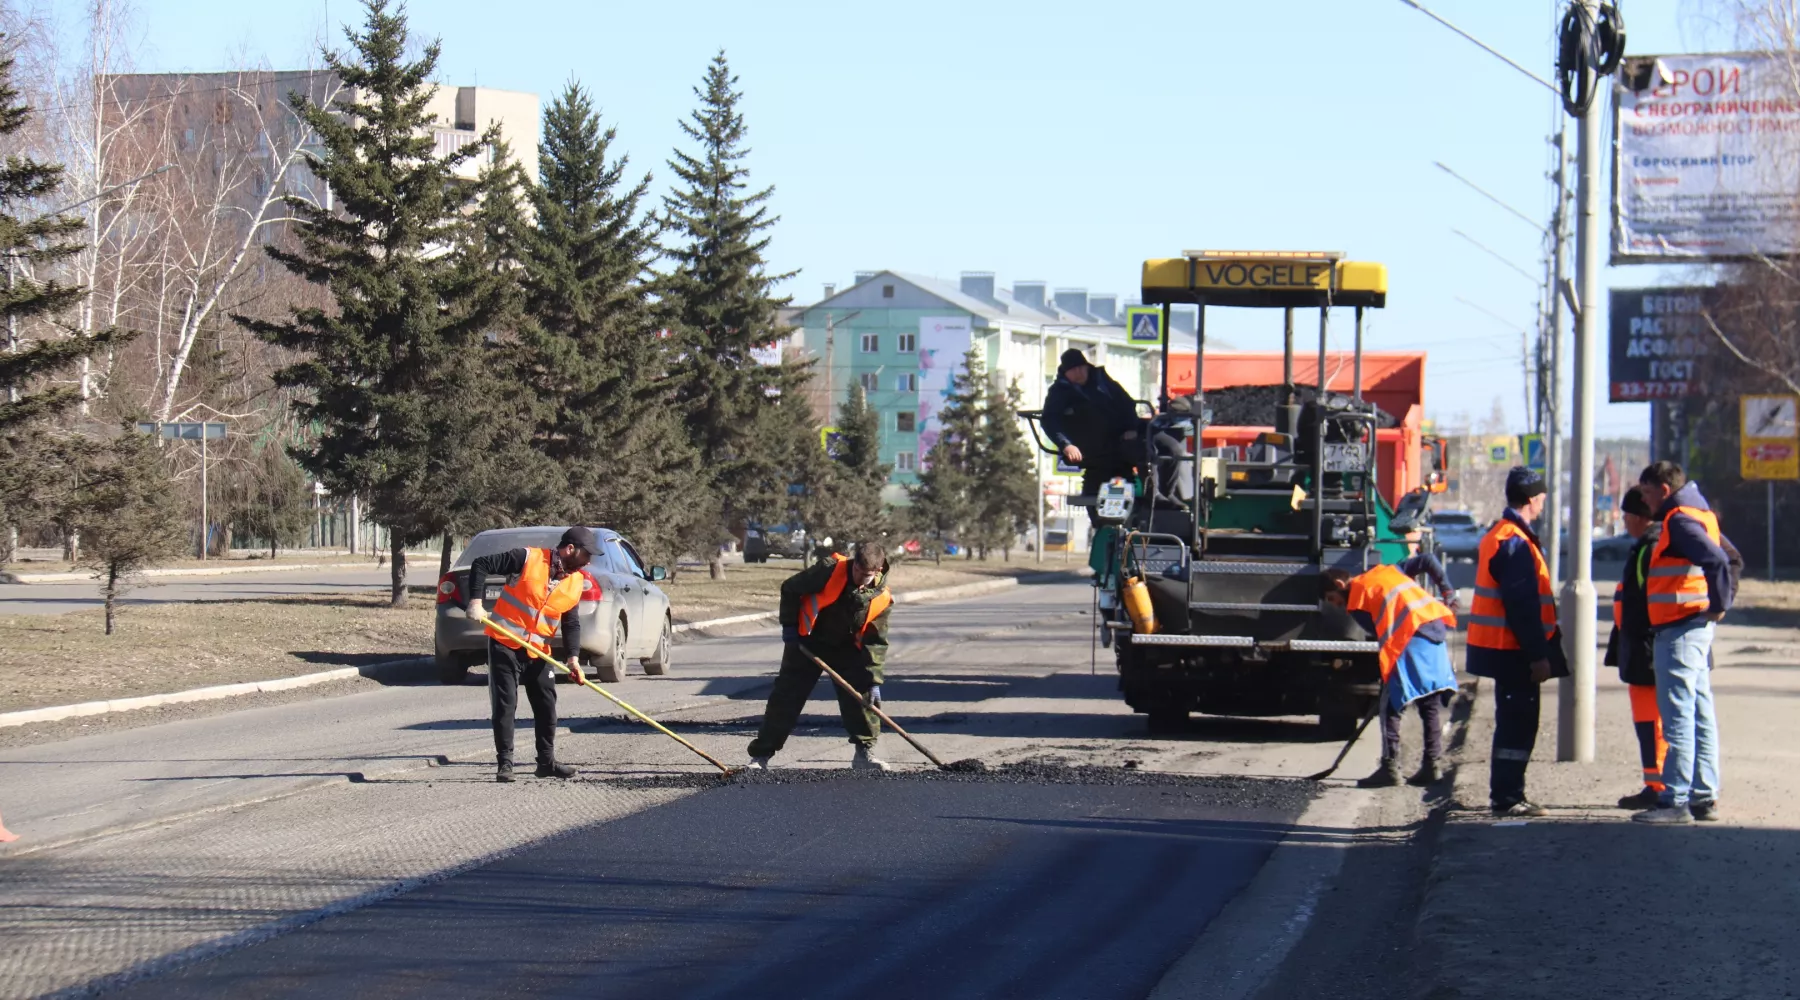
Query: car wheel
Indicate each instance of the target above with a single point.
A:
(657, 663)
(451, 669)
(609, 667)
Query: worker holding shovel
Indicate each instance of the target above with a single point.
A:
(538, 602)
(839, 609)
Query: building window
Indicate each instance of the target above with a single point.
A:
(907, 381)
(871, 343)
(870, 381)
(909, 343)
(887, 291)
(906, 461)
(906, 422)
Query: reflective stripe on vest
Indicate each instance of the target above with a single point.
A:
(1675, 588)
(530, 606)
(1487, 612)
(834, 589)
(1398, 606)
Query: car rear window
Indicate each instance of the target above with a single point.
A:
(492, 542)
(1454, 519)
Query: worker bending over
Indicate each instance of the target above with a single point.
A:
(839, 610)
(543, 588)
(1413, 629)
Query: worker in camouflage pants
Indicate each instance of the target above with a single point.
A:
(838, 610)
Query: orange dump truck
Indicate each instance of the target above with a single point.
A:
(1392, 380)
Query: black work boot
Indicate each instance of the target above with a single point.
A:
(505, 773)
(1646, 798)
(1427, 774)
(554, 770)
(1386, 775)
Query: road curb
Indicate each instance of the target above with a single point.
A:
(58, 713)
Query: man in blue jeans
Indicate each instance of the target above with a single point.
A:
(1688, 588)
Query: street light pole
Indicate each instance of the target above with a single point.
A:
(1578, 601)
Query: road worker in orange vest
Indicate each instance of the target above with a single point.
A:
(838, 610)
(1514, 638)
(543, 589)
(1413, 628)
(1689, 587)
(1629, 647)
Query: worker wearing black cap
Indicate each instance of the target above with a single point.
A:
(544, 587)
(1090, 418)
(1514, 638)
(1629, 647)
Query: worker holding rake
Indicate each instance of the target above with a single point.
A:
(837, 611)
(539, 601)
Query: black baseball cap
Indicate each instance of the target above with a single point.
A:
(581, 538)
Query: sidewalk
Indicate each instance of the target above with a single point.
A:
(1585, 902)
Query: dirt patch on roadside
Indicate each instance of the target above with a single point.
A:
(158, 648)
(1774, 603)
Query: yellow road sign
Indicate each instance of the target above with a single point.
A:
(1769, 437)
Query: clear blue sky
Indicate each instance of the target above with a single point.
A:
(1067, 141)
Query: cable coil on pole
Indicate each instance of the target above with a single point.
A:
(1590, 45)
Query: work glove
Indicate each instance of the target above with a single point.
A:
(575, 671)
(875, 695)
(790, 634)
(477, 613)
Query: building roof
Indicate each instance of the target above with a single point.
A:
(1002, 308)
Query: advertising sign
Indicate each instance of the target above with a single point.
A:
(1143, 325)
(943, 340)
(1705, 159)
(1657, 336)
(1769, 436)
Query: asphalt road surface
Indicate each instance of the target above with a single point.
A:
(61, 598)
(357, 845)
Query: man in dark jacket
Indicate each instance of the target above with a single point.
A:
(1689, 588)
(538, 580)
(1629, 648)
(1513, 637)
(1092, 420)
(838, 610)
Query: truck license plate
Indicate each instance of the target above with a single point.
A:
(1348, 456)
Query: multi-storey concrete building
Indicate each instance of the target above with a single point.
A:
(899, 334)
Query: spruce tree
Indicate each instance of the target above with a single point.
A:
(945, 501)
(851, 506)
(590, 349)
(719, 303)
(383, 373)
(124, 510)
(1006, 495)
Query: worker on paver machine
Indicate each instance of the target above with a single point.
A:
(1092, 420)
(838, 611)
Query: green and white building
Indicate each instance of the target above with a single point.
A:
(898, 334)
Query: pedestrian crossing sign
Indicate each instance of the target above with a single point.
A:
(1143, 325)
(1537, 455)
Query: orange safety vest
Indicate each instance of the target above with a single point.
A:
(1674, 587)
(532, 606)
(1487, 613)
(1399, 606)
(834, 588)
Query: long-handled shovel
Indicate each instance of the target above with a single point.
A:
(837, 678)
(615, 699)
(1345, 752)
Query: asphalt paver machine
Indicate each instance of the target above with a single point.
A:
(1208, 558)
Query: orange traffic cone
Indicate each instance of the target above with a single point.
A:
(7, 836)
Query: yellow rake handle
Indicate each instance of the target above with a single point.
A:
(615, 699)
